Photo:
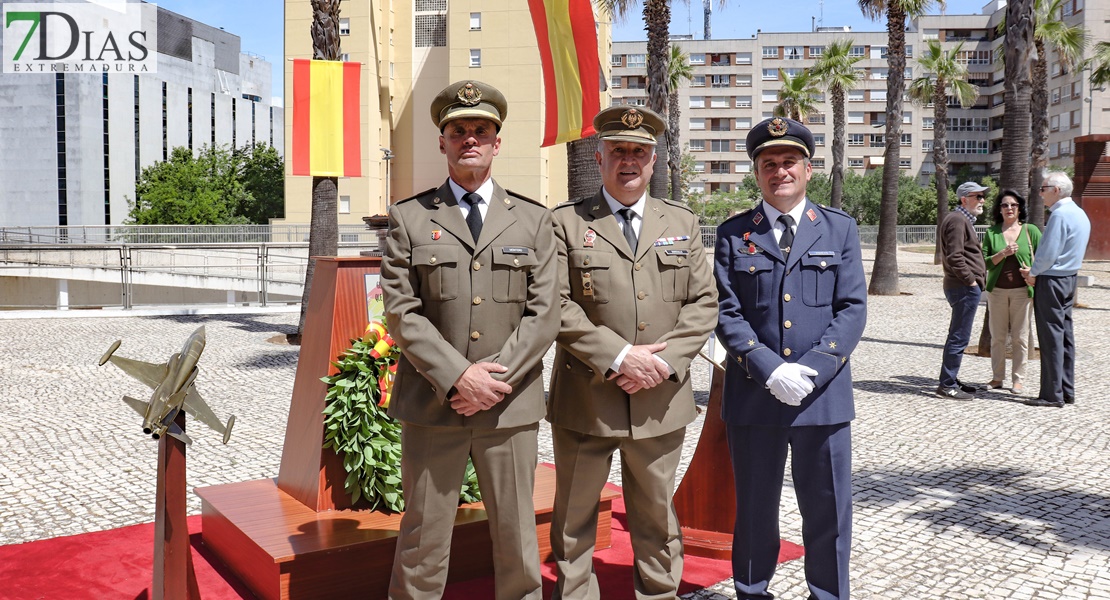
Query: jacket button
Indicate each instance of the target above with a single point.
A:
(477, 265)
(432, 260)
(638, 266)
(786, 297)
(787, 324)
(751, 269)
(477, 300)
(475, 335)
(568, 366)
(641, 295)
(786, 352)
(586, 262)
(516, 262)
(824, 264)
(642, 326)
(680, 261)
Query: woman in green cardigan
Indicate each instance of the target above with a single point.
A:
(1008, 246)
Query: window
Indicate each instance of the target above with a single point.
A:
(1065, 148)
(719, 102)
(1055, 69)
(743, 166)
(926, 145)
(878, 52)
(816, 51)
(907, 139)
(743, 81)
(930, 34)
(769, 96)
(927, 122)
(855, 163)
(1076, 120)
(770, 74)
(855, 95)
(345, 205)
(636, 83)
(855, 139)
(793, 52)
(719, 167)
(818, 139)
(877, 140)
(720, 81)
(617, 60)
(817, 163)
(475, 57)
(879, 72)
(878, 95)
(698, 81)
(743, 102)
(699, 167)
(855, 117)
(743, 122)
(741, 145)
(697, 101)
(720, 60)
(616, 82)
(1076, 90)
(859, 51)
(345, 57)
(697, 146)
(720, 124)
(909, 51)
(743, 58)
(697, 124)
(770, 52)
(904, 163)
(907, 118)
(967, 146)
(344, 26)
(697, 58)
(636, 61)
(816, 119)
(793, 71)
(475, 21)
(720, 146)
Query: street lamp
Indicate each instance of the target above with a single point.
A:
(387, 155)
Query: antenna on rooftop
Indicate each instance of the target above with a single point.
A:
(821, 14)
(708, 16)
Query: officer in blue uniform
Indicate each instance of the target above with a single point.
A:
(793, 303)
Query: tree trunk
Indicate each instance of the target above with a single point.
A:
(674, 147)
(583, 175)
(884, 276)
(838, 95)
(1039, 112)
(323, 233)
(1016, 134)
(657, 19)
(940, 156)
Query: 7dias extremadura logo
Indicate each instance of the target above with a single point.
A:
(87, 37)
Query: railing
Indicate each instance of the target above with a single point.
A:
(908, 235)
(173, 234)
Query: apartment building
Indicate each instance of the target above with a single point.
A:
(736, 84)
(409, 51)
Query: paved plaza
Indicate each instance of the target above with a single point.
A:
(953, 500)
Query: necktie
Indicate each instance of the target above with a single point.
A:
(474, 217)
(787, 238)
(629, 231)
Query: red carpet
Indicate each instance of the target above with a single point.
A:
(117, 564)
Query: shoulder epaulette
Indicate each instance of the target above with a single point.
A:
(832, 211)
(739, 214)
(520, 197)
(571, 202)
(415, 196)
(677, 204)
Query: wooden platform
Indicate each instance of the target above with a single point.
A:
(281, 548)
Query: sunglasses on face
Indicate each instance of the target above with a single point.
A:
(1009, 205)
(1047, 187)
(976, 196)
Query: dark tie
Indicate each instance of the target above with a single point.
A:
(629, 231)
(787, 238)
(474, 217)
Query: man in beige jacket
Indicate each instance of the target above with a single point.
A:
(638, 302)
(469, 282)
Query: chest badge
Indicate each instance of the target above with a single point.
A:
(436, 234)
(589, 239)
(587, 285)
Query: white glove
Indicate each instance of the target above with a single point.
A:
(791, 382)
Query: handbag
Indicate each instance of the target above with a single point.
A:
(1028, 240)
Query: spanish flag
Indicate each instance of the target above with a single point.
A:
(568, 53)
(326, 124)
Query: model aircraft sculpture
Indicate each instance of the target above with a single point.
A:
(174, 391)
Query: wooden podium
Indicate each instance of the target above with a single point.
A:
(299, 537)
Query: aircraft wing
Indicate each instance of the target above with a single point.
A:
(151, 374)
(195, 405)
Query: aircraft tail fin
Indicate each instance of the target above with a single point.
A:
(138, 405)
(177, 433)
(227, 428)
(111, 350)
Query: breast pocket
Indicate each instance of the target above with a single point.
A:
(511, 269)
(752, 280)
(589, 275)
(819, 279)
(674, 272)
(438, 269)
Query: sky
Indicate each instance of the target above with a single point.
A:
(741, 18)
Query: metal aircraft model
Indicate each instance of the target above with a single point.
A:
(172, 382)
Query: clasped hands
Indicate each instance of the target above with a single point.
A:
(1029, 279)
(476, 389)
(641, 369)
(791, 382)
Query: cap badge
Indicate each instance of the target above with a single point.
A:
(470, 95)
(777, 127)
(632, 118)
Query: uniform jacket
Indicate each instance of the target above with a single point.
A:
(611, 298)
(449, 304)
(809, 310)
(960, 252)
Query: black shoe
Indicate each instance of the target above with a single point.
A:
(1043, 402)
(954, 393)
(966, 387)
(1069, 399)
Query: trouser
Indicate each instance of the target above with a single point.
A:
(1053, 299)
(964, 300)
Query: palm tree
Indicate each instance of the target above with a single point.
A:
(1068, 41)
(796, 96)
(1100, 64)
(1017, 138)
(884, 276)
(678, 70)
(323, 232)
(943, 74)
(835, 71)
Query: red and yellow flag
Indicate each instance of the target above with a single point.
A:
(326, 125)
(568, 53)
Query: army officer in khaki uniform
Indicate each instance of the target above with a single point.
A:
(469, 279)
(638, 302)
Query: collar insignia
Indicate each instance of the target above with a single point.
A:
(757, 219)
(812, 215)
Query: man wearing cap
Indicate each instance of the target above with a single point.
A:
(469, 282)
(965, 275)
(1053, 276)
(793, 303)
(637, 305)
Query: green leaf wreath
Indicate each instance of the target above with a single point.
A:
(357, 427)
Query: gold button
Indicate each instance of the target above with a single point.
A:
(638, 267)
(568, 366)
(680, 261)
(432, 260)
(477, 300)
(435, 201)
(786, 352)
(824, 264)
(641, 295)
(787, 324)
(516, 262)
(586, 262)
(477, 265)
(475, 335)
(751, 269)
(642, 326)
(786, 297)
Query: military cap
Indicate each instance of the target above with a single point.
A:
(469, 99)
(779, 131)
(622, 123)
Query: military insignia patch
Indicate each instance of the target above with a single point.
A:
(777, 127)
(469, 95)
(812, 215)
(669, 241)
(757, 219)
(436, 234)
(747, 235)
(588, 239)
(632, 118)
